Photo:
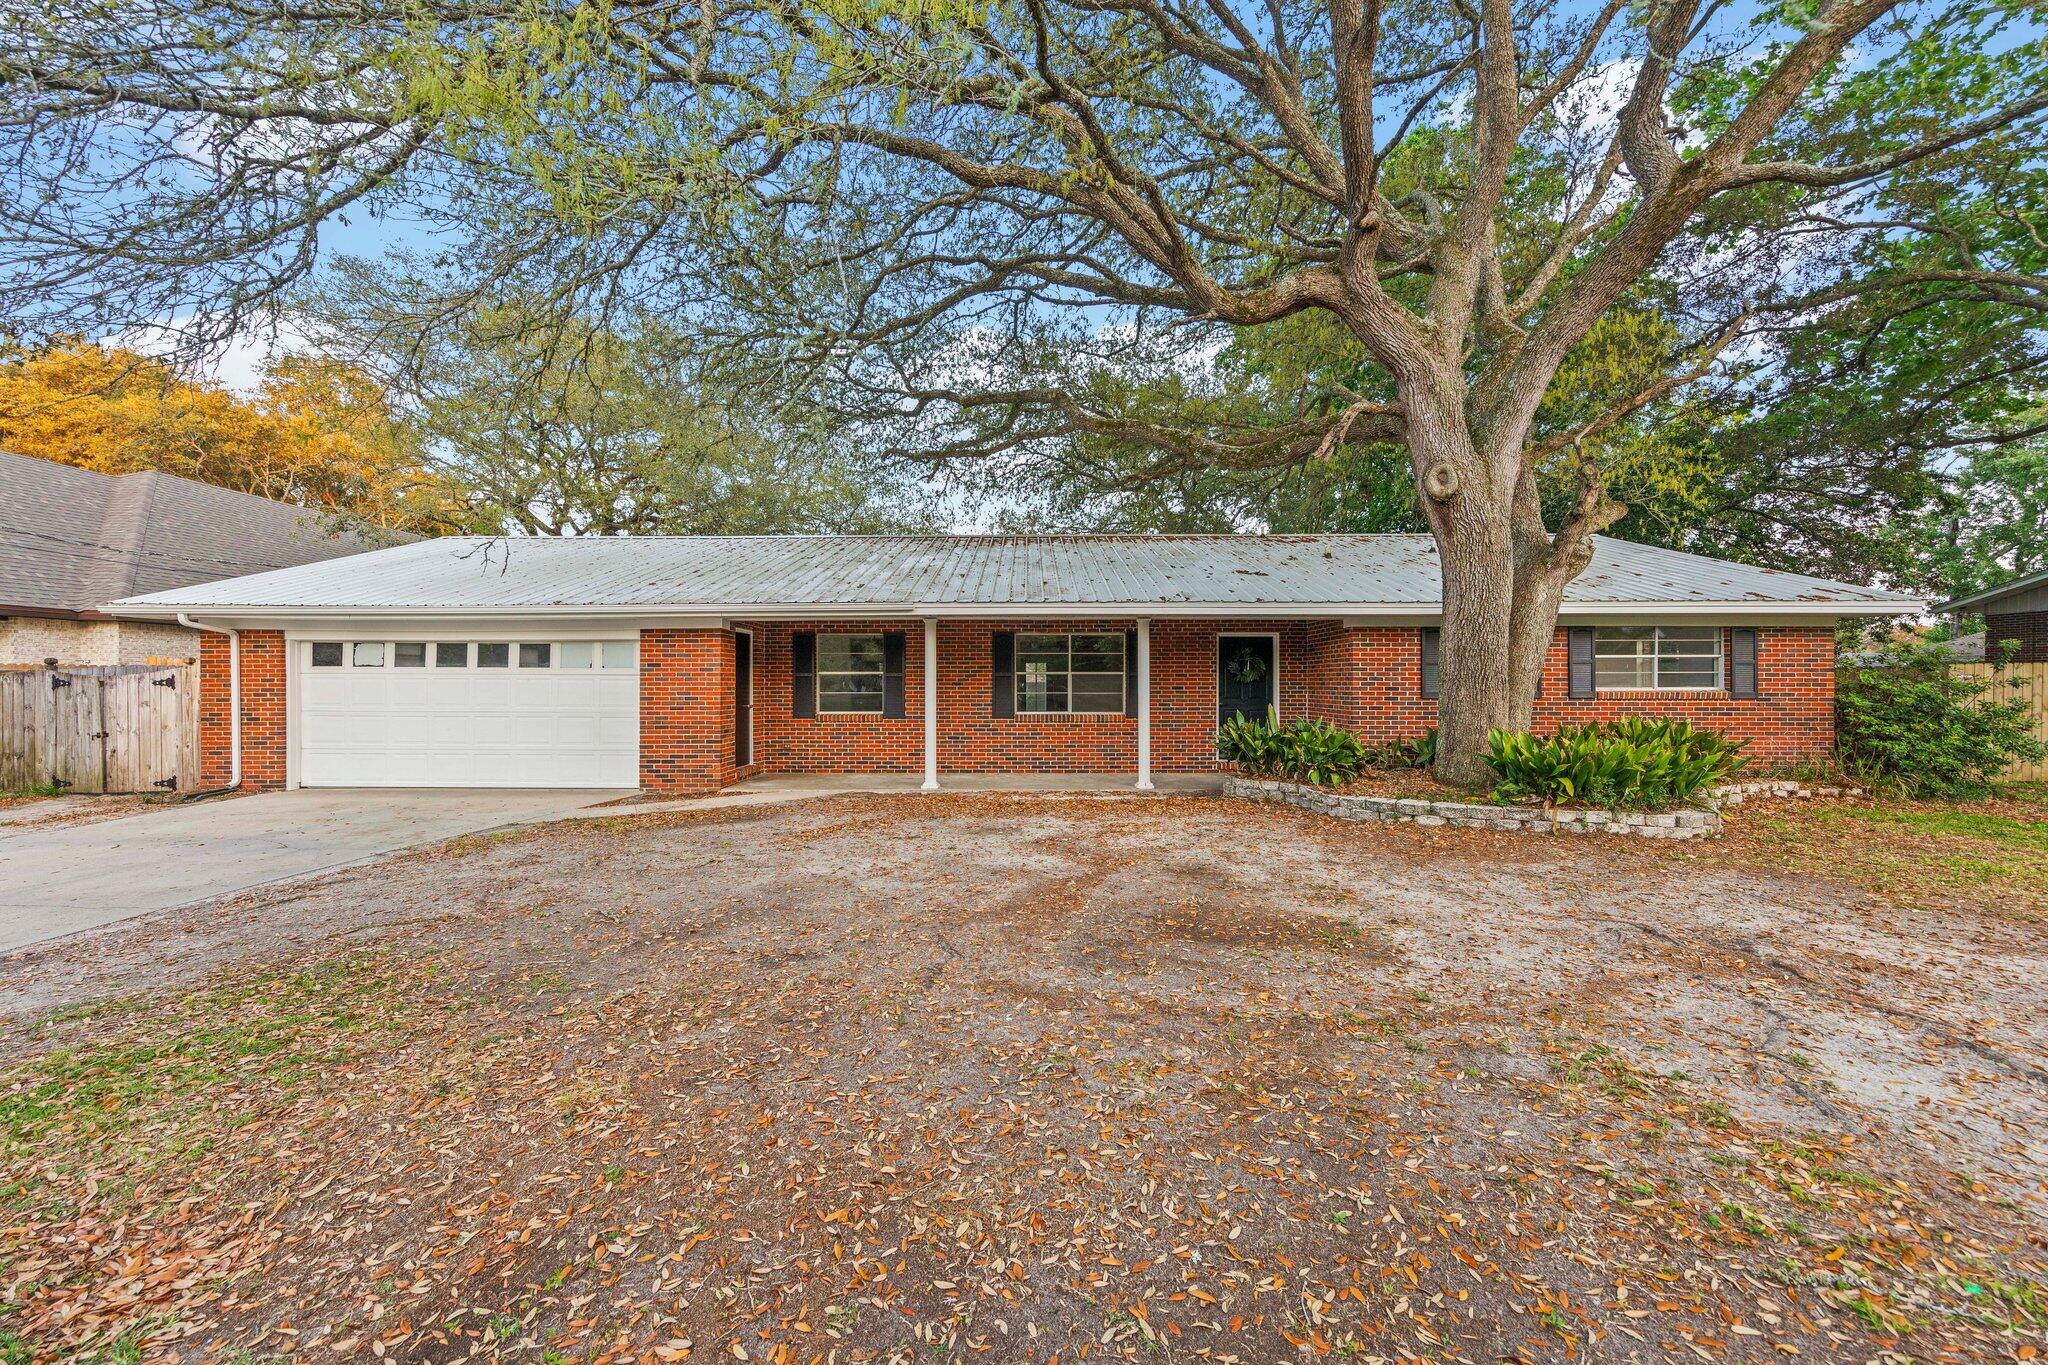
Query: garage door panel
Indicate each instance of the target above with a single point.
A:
(467, 727)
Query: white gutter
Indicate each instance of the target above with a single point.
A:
(802, 611)
(234, 697)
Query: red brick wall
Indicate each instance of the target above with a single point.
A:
(263, 710)
(973, 739)
(1792, 717)
(686, 716)
(2028, 631)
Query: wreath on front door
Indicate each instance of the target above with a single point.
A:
(1247, 666)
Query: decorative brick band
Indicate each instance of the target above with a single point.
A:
(1683, 824)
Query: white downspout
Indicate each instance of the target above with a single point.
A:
(234, 696)
(1144, 705)
(931, 704)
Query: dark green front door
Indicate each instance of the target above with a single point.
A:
(1244, 676)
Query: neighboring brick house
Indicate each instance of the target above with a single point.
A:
(2015, 618)
(688, 663)
(71, 539)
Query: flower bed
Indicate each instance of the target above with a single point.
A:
(1679, 824)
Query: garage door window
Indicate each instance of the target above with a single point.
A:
(578, 654)
(367, 654)
(534, 656)
(493, 655)
(327, 654)
(620, 653)
(451, 656)
(409, 654)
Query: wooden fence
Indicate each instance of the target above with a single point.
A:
(2037, 697)
(116, 728)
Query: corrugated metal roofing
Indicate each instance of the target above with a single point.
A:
(690, 573)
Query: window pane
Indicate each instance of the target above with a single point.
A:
(495, 654)
(850, 695)
(578, 654)
(451, 656)
(1624, 657)
(1098, 653)
(533, 656)
(1689, 656)
(847, 683)
(1041, 690)
(327, 654)
(409, 654)
(621, 653)
(367, 654)
(1099, 693)
(849, 653)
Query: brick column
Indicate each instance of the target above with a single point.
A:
(686, 720)
(263, 707)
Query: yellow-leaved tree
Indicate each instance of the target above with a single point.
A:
(318, 433)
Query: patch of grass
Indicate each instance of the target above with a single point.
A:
(266, 1036)
(1926, 819)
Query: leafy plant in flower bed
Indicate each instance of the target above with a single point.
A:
(1311, 751)
(1419, 752)
(1633, 762)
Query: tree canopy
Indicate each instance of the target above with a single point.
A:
(980, 229)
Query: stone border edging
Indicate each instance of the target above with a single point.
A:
(1680, 824)
(1735, 793)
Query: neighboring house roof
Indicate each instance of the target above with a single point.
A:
(2032, 586)
(960, 575)
(71, 539)
(1964, 649)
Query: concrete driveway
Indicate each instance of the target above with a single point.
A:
(65, 879)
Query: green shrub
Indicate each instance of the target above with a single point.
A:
(1637, 761)
(1909, 723)
(1312, 751)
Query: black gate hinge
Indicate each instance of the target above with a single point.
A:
(168, 783)
(171, 681)
(56, 681)
(59, 782)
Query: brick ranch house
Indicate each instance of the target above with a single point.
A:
(685, 664)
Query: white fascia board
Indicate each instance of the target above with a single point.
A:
(698, 615)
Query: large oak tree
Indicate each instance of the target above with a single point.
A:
(931, 212)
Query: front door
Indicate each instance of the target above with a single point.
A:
(743, 699)
(1245, 669)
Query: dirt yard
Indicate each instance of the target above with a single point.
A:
(1022, 1079)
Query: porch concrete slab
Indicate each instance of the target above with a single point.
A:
(787, 787)
(1167, 784)
(70, 878)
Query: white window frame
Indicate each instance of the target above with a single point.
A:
(1122, 674)
(880, 672)
(1656, 657)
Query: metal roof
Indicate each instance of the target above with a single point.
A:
(72, 538)
(729, 575)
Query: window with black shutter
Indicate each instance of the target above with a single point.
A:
(1432, 644)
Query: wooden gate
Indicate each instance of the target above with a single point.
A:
(2035, 691)
(117, 728)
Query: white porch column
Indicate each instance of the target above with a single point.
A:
(1144, 705)
(931, 704)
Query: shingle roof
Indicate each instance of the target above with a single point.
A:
(1309, 573)
(71, 539)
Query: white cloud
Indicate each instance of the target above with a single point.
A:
(238, 366)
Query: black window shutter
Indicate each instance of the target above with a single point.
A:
(1002, 669)
(1742, 662)
(892, 674)
(1130, 672)
(1581, 658)
(803, 673)
(1432, 644)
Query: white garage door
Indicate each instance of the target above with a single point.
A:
(468, 713)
